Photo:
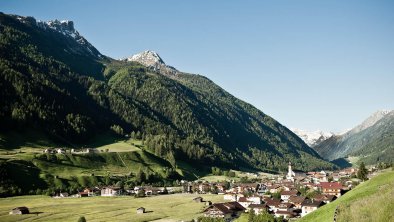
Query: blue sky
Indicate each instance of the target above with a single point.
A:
(309, 64)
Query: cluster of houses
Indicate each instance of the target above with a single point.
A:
(55, 150)
(289, 203)
(63, 151)
(113, 191)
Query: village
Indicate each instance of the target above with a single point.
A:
(294, 196)
(288, 197)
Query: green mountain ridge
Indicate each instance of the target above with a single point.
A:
(50, 84)
(372, 143)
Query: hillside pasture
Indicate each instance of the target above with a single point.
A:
(371, 201)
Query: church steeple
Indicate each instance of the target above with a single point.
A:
(290, 173)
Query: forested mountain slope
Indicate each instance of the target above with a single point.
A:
(53, 80)
(372, 141)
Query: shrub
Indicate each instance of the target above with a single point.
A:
(82, 219)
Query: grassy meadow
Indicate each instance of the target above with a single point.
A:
(371, 201)
(115, 158)
(173, 207)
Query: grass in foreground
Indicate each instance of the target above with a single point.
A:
(372, 200)
(166, 208)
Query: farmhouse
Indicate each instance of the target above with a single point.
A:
(83, 194)
(224, 210)
(204, 187)
(297, 201)
(244, 202)
(64, 194)
(284, 213)
(20, 210)
(60, 151)
(149, 190)
(91, 191)
(230, 197)
(285, 207)
(310, 206)
(111, 191)
(272, 204)
(325, 198)
(254, 199)
(331, 188)
(258, 208)
(49, 150)
(285, 195)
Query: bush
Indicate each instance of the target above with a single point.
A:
(82, 219)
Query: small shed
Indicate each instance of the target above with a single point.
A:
(140, 210)
(20, 210)
(208, 203)
(198, 199)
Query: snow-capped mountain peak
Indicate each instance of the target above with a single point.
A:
(312, 138)
(152, 60)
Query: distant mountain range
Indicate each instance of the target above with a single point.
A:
(312, 138)
(53, 80)
(372, 141)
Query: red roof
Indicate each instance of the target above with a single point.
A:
(293, 192)
(258, 206)
(272, 202)
(330, 185)
(283, 212)
(242, 199)
(324, 197)
(296, 199)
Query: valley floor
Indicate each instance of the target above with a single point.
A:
(173, 207)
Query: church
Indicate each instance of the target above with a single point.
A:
(290, 174)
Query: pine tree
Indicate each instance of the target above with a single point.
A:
(140, 176)
(362, 172)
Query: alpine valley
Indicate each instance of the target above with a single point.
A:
(57, 90)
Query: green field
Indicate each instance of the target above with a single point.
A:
(372, 200)
(121, 146)
(173, 207)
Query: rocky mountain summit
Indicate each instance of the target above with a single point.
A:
(372, 140)
(66, 28)
(152, 60)
(370, 121)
